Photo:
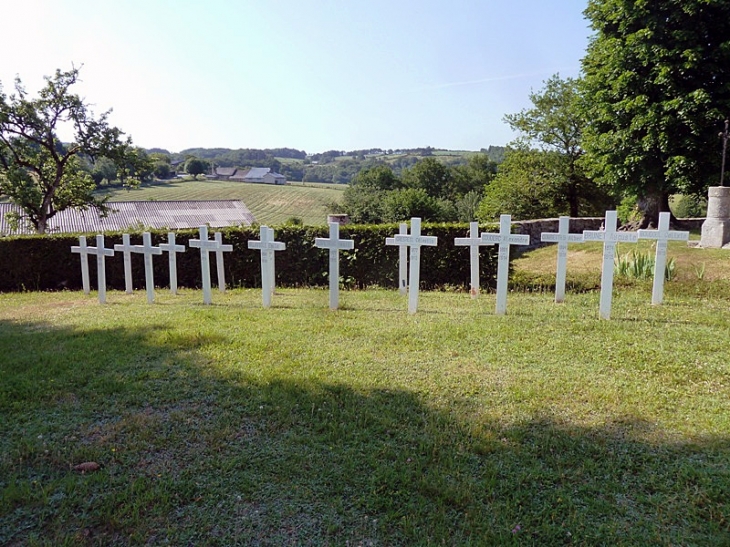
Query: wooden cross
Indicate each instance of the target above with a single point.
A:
(148, 250)
(334, 244)
(207, 246)
(562, 238)
(127, 248)
(83, 252)
(173, 249)
(415, 241)
(610, 237)
(473, 242)
(101, 254)
(662, 236)
(402, 258)
(504, 238)
(268, 247)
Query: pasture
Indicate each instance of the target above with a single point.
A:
(296, 425)
(269, 204)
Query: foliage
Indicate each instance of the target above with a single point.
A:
(689, 206)
(640, 265)
(657, 82)
(555, 125)
(46, 263)
(196, 166)
(41, 174)
(526, 186)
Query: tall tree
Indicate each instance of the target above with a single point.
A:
(43, 175)
(555, 124)
(657, 83)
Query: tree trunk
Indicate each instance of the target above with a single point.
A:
(650, 205)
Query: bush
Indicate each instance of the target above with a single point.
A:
(46, 262)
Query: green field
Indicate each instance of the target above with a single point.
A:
(269, 204)
(296, 425)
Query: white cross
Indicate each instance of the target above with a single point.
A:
(207, 246)
(219, 250)
(562, 238)
(415, 241)
(101, 254)
(127, 248)
(504, 238)
(402, 258)
(610, 238)
(148, 250)
(173, 249)
(473, 241)
(268, 247)
(83, 251)
(662, 235)
(334, 244)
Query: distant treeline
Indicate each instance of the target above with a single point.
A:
(335, 166)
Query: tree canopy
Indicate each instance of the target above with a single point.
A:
(657, 80)
(43, 175)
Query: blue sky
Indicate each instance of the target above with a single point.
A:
(305, 74)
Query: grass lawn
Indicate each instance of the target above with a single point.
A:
(269, 204)
(231, 424)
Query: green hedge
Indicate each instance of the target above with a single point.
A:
(46, 262)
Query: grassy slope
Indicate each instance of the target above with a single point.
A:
(269, 204)
(366, 426)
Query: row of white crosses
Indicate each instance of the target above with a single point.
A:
(407, 268)
(610, 237)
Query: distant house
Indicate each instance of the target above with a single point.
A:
(224, 173)
(126, 215)
(239, 175)
(265, 175)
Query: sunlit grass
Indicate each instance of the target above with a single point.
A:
(230, 423)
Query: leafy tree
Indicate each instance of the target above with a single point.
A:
(525, 187)
(196, 166)
(380, 177)
(404, 203)
(657, 80)
(41, 174)
(555, 124)
(431, 176)
(472, 177)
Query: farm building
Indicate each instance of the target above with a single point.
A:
(126, 215)
(257, 174)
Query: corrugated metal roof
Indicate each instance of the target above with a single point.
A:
(124, 215)
(257, 172)
(225, 171)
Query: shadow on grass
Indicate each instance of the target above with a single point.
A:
(193, 455)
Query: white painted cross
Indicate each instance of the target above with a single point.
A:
(101, 254)
(504, 238)
(219, 250)
(610, 237)
(662, 235)
(473, 241)
(415, 241)
(207, 246)
(127, 248)
(83, 251)
(402, 258)
(334, 244)
(148, 250)
(562, 238)
(173, 249)
(267, 246)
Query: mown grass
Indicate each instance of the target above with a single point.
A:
(231, 424)
(269, 204)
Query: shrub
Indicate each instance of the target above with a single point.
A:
(46, 262)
